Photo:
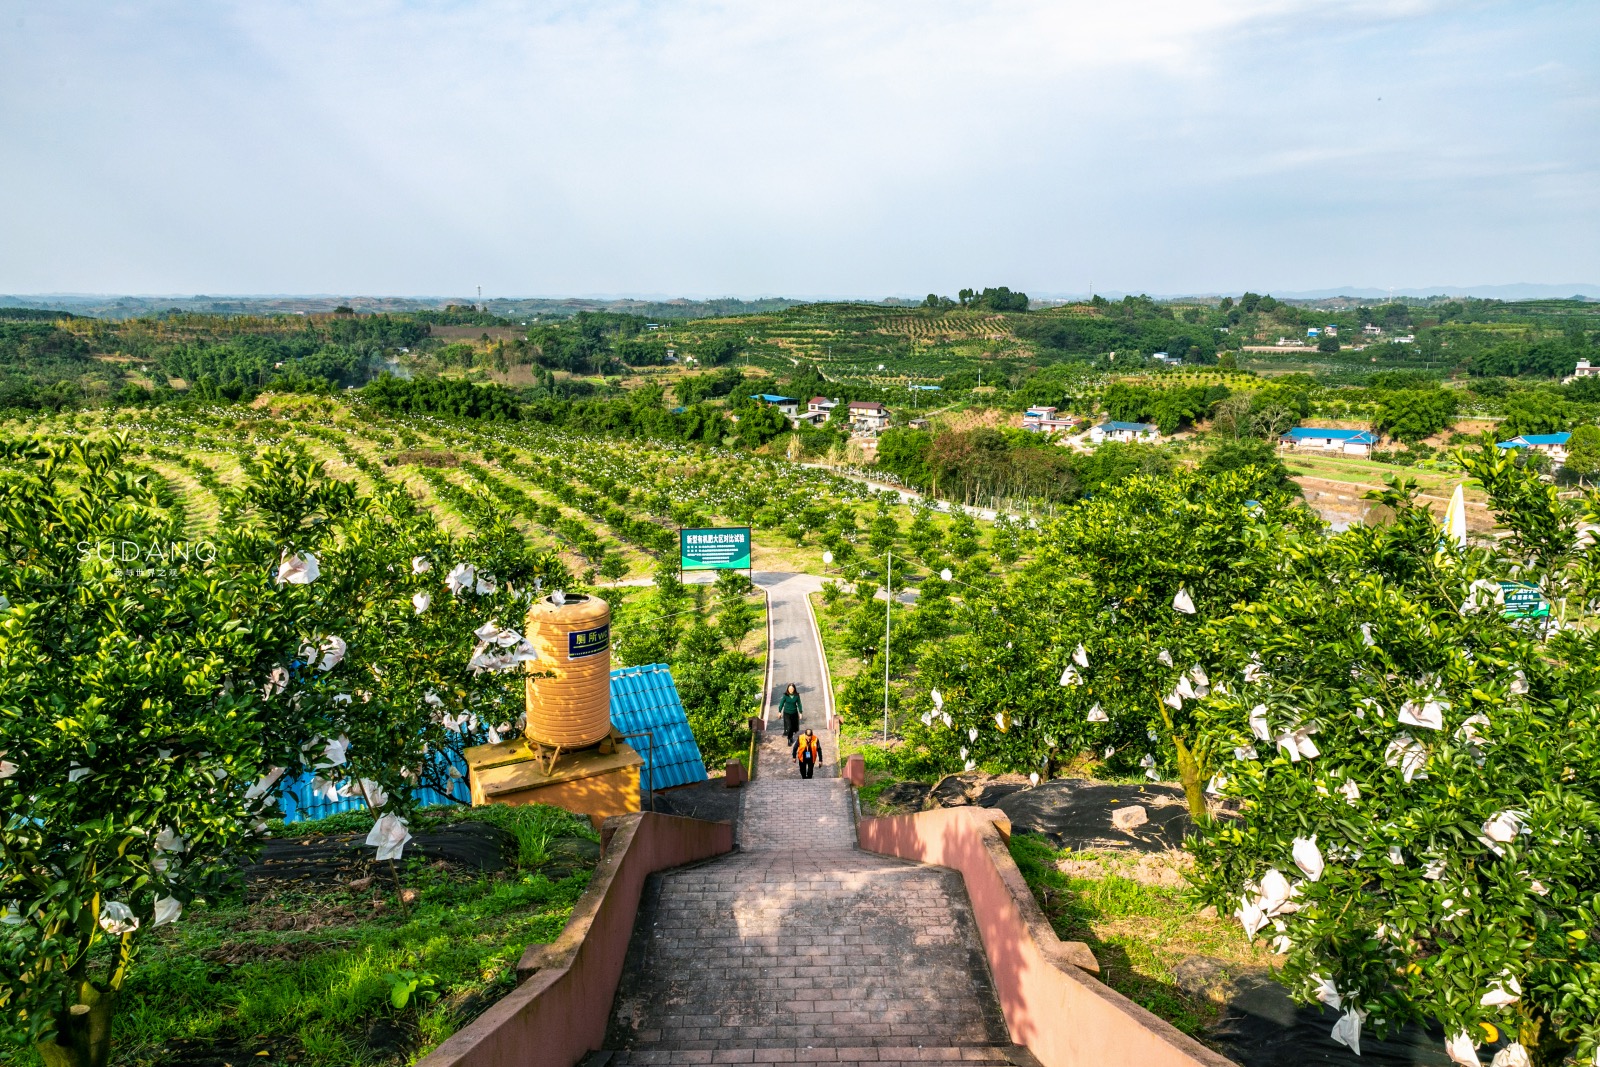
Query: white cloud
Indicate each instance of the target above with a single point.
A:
(799, 147)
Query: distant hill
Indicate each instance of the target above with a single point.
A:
(132, 307)
(10, 314)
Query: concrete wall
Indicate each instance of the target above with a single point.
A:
(1053, 1003)
(560, 1010)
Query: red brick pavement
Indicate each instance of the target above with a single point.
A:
(802, 948)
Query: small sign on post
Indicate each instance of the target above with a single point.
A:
(1524, 600)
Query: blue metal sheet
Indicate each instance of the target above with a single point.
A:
(645, 700)
(296, 802)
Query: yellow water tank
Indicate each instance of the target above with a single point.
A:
(571, 705)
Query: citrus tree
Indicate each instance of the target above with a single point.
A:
(131, 726)
(409, 643)
(1100, 644)
(1417, 780)
(154, 691)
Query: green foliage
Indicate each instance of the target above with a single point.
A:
(142, 707)
(1106, 576)
(1583, 451)
(1168, 407)
(1249, 452)
(405, 984)
(1412, 414)
(1443, 821)
(1001, 299)
(1535, 411)
(441, 396)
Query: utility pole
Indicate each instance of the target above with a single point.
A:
(888, 606)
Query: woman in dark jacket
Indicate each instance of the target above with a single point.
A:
(790, 707)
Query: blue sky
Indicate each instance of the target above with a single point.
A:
(821, 147)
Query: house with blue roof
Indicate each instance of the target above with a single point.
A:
(646, 709)
(786, 404)
(1327, 439)
(1553, 445)
(1124, 431)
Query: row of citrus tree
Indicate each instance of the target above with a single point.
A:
(1393, 777)
(154, 690)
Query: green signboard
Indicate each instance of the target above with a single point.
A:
(724, 549)
(1524, 601)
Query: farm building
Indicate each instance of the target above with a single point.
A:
(1553, 445)
(868, 416)
(1046, 420)
(1124, 431)
(1322, 439)
(786, 404)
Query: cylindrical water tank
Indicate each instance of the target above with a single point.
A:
(571, 706)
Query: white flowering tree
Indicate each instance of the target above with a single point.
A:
(409, 642)
(1417, 779)
(130, 724)
(149, 705)
(1099, 645)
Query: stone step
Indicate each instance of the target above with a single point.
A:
(997, 1055)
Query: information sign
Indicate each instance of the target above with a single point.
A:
(723, 549)
(1524, 601)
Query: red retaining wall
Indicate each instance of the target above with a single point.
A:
(1053, 1004)
(560, 1011)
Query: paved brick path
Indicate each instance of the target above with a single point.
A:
(802, 948)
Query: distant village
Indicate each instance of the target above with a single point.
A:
(867, 419)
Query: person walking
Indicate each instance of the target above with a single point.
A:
(790, 707)
(807, 753)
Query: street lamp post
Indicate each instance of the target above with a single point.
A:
(888, 606)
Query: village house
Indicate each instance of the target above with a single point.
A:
(1323, 439)
(868, 416)
(1553, 445)
(1125, 431)
(1584, 370)
(786, 404)
(1046, 420)
(1372, 329)
(822, 405)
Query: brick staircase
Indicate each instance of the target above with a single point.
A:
(801, 948)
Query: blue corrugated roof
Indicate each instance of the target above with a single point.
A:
(1137, 427)
(1536, 439)
(1302, 433)
(645, 700)
(774, 398)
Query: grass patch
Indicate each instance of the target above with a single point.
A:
(306, 971)
(1138, 931)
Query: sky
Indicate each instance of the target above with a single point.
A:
(812, 148)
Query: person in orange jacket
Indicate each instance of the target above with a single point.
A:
(807, 753)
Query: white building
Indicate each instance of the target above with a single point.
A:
(1046, 420)
(868, 416)
(1124, 431)
(1321, 439)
